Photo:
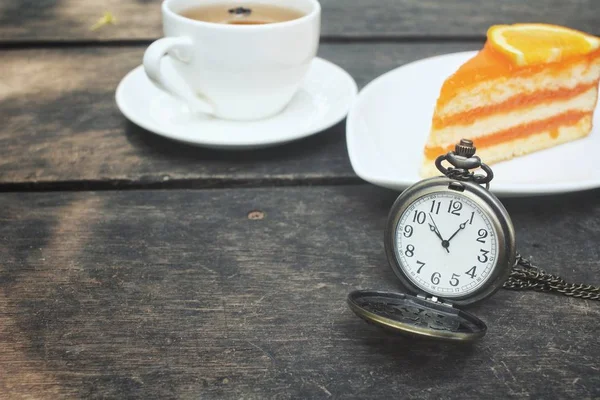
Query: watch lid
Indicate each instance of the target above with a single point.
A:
(406, 314)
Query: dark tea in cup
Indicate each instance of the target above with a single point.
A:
(248, 14)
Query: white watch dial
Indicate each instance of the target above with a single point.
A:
(446, 244)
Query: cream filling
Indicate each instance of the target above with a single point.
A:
(498, 122)
(522, 146)
(500, 90)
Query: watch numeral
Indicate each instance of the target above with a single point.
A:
(422, 264)
(483, 258)
(419, 216)
(454, 280)
(434, 207)
(471, 220)
(454, 207)
(482, 233)
(435, 278)
(410, 250)
(408, 231)
(471, 272)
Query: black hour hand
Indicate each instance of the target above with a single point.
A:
(434, 230)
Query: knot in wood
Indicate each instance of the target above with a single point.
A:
(256, 214)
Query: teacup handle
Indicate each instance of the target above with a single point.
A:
(178, 47)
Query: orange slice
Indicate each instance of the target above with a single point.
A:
(530, 44)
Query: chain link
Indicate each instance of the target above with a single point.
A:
(526, 276)
(460, 174)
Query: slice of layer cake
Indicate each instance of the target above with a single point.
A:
(531, 87)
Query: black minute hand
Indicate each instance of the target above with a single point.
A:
(460, 228)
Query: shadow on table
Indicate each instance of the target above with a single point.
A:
(329, 141)
(414, 355)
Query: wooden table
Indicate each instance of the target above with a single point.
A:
(130, 267)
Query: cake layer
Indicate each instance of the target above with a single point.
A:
(481, 127)
(526, 100)
(516, 131)
(535, 137)
(472, 88)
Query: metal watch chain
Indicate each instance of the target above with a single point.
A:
(524, 275)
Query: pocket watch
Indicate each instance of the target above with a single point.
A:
(451, 243)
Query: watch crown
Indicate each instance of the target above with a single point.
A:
(465, 148)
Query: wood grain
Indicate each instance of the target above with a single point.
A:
(178, 294)
(70, 20)
(61, 126)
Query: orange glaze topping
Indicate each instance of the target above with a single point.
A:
(514, 103)
(552, 124)
(489, 64)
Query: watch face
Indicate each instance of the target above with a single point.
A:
(446, 244)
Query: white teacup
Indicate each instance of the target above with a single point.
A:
(238, 72)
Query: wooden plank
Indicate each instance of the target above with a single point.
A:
(71, 20)
(60, 124)
(178, 294)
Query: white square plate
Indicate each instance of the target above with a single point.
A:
(388, 125)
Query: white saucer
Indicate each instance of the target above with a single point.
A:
(388, 125)
(322, 101)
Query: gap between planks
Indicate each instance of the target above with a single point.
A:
(50, 44)
(192, 184)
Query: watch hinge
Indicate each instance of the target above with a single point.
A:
(435, 299)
